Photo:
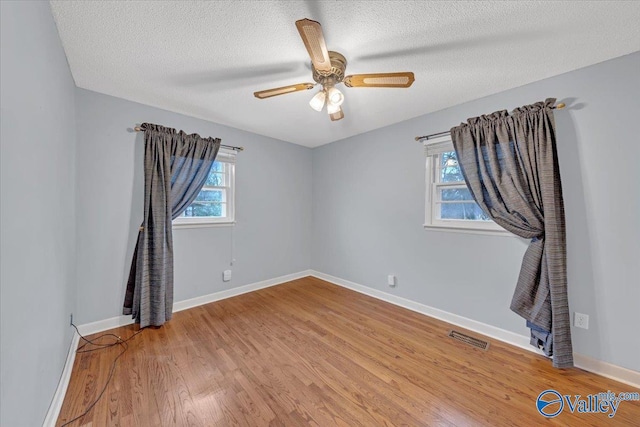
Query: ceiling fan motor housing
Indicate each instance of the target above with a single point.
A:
(336, 74)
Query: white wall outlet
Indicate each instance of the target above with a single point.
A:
(391, 280)
(581, 320)
(226, 275)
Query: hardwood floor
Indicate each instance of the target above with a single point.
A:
(311, 353)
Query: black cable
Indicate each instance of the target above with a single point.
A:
(119, 341)
(101, 346)
(88, 341)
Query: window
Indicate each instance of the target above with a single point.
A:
(449, 203)
(215, 203)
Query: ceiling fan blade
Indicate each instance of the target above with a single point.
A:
(404, 79)
(311, 33)
(337, 116)
(282, 90)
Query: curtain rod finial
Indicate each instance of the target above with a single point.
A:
(560, 106)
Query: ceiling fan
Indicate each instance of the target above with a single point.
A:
(328, 70)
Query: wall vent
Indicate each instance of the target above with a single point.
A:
(475, 342)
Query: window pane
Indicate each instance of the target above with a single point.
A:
(215, 179)
(455, 194)
(466, 211)
(217, 167)
(449, 168)
(214, 202)
(200, 209)
(210, 196)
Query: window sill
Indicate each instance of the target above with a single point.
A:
(202, 225)
(454, 229)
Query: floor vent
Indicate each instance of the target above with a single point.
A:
(482, 345)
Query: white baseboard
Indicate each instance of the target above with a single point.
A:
(608, 370)
(61, 390)
(115, 322)
(217, 296)
(104, 325)
(599, 367)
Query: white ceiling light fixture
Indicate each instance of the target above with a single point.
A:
(335, 96)
(328, 95)
(332, 108)
(317, 102)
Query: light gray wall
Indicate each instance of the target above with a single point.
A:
(37, 286)
(273, 207)
(368, 209)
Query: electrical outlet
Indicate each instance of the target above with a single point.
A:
(391, 280)
(581, 320)
(71, 319)
(226, 275)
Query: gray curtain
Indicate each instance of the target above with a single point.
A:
(176, 166)
(510, 165)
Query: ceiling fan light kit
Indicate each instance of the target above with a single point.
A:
(336, 116)
(317, 102)
(328, 69)
(335, 96)
(332, 108)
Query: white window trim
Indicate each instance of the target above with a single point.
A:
(229, 157)
(431, 221)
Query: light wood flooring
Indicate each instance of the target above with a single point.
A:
(311, 353)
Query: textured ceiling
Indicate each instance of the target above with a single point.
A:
(206, 58)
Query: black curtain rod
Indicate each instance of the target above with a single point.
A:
(560, 106)
(230, 147)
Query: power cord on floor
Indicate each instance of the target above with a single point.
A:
(100, 346)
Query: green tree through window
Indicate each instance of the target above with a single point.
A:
(457, 201)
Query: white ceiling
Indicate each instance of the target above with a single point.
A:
(206, 58)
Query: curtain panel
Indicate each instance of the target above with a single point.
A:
(176, 166)
(510, 165)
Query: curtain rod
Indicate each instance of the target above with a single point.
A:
(230, 147)
(560, 106)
